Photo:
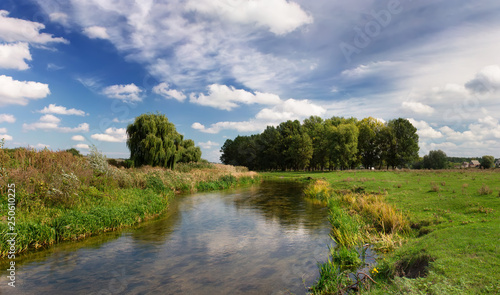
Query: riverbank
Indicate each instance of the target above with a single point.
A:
(448, 233)
(57, 196)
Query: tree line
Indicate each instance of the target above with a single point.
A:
(319, 144)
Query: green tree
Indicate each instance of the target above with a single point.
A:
(316, 129)
(296, 146)
(487, 162)
(343, 142)
(435, 160)
(188, 152)
(74, 152)
(270, 155)
(153, 140)
(403, 143)
(369, 145)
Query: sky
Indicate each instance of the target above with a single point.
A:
(75, 73)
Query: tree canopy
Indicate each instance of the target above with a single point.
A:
(153, 140)
(317, 144)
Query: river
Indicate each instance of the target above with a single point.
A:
(264, 239)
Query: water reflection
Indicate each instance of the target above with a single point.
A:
(259, 240)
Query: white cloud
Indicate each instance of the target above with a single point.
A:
(291, 109)
(373, 68)
(424, 130)
(60, 110)
(54, 67)
(96, 32)
(14, 30)
(51, 123)
(487, 80)
(127, 93)
(244, 126)
(7, 118)
(279, 16)
(3, 130)
(59, 17)
(208, 145)
(82, 146)
(112, 135)
(163, 90)
(78, 138)
(20, 92)
(6, 137)
(226, 98)
(14, 56)
(417, 107)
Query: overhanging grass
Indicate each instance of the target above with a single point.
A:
(454, 218)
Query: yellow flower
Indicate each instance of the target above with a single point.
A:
(374, 270)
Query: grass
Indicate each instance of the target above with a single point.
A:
(439, 229)
(61, 197)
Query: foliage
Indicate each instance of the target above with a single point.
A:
(154, 141)
(487, 162)
(317, 144)
(99, 162)
(435, 160)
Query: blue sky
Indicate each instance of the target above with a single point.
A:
(75, 73)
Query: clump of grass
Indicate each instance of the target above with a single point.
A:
(319, 191)
(434, 187)
(485, 190)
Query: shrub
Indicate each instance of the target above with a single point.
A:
(485, 190)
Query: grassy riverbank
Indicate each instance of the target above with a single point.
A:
(436, 232)
(59, 196)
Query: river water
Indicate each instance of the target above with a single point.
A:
(265, 239)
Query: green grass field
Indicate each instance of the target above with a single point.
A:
(455, 224)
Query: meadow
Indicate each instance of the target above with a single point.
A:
(434, 232)
(60, 196)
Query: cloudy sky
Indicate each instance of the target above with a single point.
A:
(74, 73)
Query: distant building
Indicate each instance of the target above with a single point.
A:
(465, 165)
(497, 163)
(474, 163)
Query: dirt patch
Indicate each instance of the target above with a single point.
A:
(414, 267)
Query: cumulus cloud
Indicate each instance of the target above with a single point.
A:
(417, 107)
(78, 138)
(487, 80)
(291, 109)
(6, 137)
(59, 17)
(127, 93)
(14, 56)
(8, 118)
(60, 110)
(424, 130)
(279, 16)
(20, 92)
(163, 90)
(227, 98)
(96, 32)
(82, 146)
(51, 123)
(111, 135)
(14, 30)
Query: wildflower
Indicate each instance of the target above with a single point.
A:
(374, 270)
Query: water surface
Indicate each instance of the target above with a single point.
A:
(264, 239)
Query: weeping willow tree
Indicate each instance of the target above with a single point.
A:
(153, 140)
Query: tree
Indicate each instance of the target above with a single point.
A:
(153, 140)
(487, 162)
(369, 145)
(315, 128)
(402, 143)
(188, 152)
(343, 142)
(74, 152)
(435, 160)
(270, 155)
